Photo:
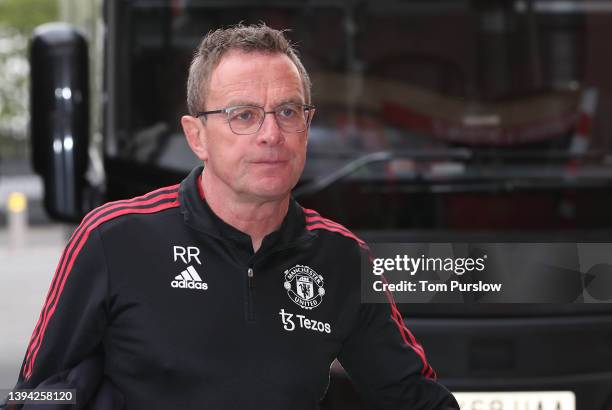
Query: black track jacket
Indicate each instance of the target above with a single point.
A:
(189, 317)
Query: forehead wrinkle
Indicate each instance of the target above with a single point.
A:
(233, 94)
(275, 95)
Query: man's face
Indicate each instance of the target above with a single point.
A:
(265, 165)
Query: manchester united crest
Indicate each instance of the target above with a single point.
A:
(304, 286)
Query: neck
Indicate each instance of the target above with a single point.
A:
(254, 216)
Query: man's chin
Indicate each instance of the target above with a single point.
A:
(270, 192)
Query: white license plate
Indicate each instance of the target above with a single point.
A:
(533, 400)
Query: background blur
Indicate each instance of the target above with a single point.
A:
(27, 260)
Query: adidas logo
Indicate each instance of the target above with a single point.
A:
(189, 279)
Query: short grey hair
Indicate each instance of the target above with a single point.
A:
(248, 39)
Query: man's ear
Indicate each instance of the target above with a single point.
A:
(196, 136)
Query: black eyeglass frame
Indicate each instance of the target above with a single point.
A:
(227, 110)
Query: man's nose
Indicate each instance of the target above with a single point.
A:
(270, 133)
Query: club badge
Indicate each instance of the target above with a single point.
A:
(304, 286)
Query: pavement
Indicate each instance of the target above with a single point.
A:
(25, 275)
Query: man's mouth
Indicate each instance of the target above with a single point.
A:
(270, 162)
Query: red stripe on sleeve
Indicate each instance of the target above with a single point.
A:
(151, 197)
(321, 225)
(408, 337)
(63, 271)
(406, 334)
(78, 231)
(311, 219)
(316, 221)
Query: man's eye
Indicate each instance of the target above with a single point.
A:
(242, 115)
(288, 112)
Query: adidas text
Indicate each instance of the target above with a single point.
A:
(183, 284)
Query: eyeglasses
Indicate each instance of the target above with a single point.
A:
(247, 119)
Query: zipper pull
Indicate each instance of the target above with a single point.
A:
(250, 276)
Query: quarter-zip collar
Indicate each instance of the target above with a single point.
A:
(198, 215)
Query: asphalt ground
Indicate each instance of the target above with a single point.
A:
(25, 275)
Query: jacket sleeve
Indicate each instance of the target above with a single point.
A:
(387, 364)
(74, 315)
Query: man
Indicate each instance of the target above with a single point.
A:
(222, 292)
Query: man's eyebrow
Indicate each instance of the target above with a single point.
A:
(294, 100)
(233, 103)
